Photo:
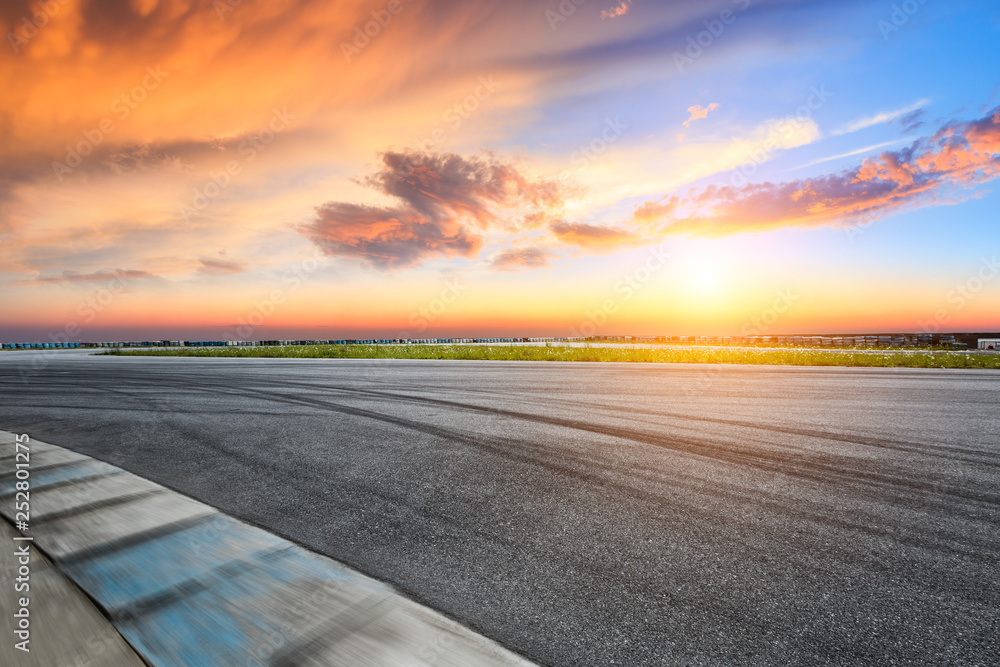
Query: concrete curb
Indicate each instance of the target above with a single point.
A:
(185, 584)
(66, 629)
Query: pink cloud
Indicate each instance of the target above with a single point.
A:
(959, 155)
(446, 201)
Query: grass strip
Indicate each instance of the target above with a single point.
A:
(668, 355)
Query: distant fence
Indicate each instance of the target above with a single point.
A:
(869, 341)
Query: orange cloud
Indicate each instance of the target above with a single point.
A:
(655, 211)
(697, 112)
(618, 10)
(593, 237)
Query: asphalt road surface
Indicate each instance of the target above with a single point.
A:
(589, 514)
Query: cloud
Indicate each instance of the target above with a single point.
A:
(959, 155)
(214, 265)
(594, 237)
(389, 238)
(858, 151)
(883, 117)
(144, 157)
(446, 203)
(521, 258)
(697, 112)
(158, 140)
(439, 185)
(618, 10)
(912, 121)
(653, 211)
(107, 275)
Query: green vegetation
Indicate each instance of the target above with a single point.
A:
(761, 356)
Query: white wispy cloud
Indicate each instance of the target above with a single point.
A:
(859, 151)
(883, 117)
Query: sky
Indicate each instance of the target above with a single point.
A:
(226, 169)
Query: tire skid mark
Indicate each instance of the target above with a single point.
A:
(529, 452)
(817, 467)
(871, 483)
(978, 457)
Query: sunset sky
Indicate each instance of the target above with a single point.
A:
(305, 169)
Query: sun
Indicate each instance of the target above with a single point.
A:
(705, 280)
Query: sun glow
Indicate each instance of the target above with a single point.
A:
(706, 280)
